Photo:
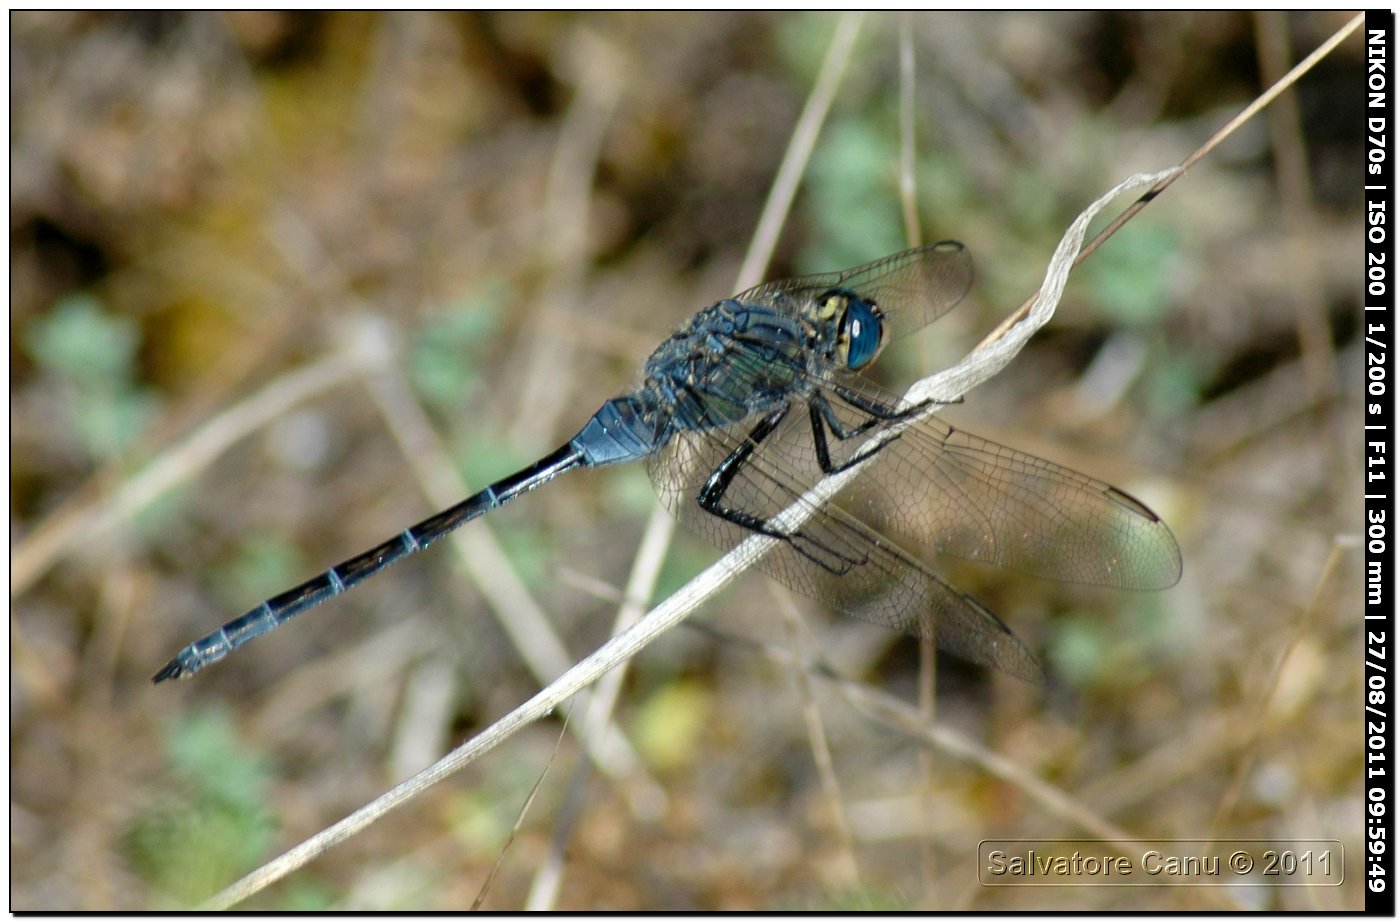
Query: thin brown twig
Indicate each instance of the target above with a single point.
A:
(1215, 140)
(847, 867)
(800, 145)
(177, 464)
(913, 233)
(520, 817)
(549, 356)
(908, 190)
(1261, 723)
(1295, 202)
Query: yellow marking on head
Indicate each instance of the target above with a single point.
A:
(831, 306)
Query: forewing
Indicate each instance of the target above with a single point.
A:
(912, 288)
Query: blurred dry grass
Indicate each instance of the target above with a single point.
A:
(202, 206)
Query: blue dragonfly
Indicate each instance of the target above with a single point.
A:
(757, 398)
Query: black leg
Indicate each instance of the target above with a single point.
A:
(875, 408)
(711, 499)
(819, 410)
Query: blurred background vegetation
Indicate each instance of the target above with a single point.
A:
(234, 236)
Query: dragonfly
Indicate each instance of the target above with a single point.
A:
(756, 399)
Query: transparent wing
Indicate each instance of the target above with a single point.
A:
(962, 495)
(943, 491)
(833, 557)
(912, 288)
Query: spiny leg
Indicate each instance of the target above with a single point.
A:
(819, 411)
(718, 483)
(883, 411)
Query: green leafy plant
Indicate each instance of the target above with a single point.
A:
(93, 354)
(188, 847)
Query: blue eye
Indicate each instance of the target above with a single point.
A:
(862, 331)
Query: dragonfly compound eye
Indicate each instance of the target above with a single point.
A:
(861, 333)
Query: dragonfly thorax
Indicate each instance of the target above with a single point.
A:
(733, 359)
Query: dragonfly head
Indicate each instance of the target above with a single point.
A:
(860, 328)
